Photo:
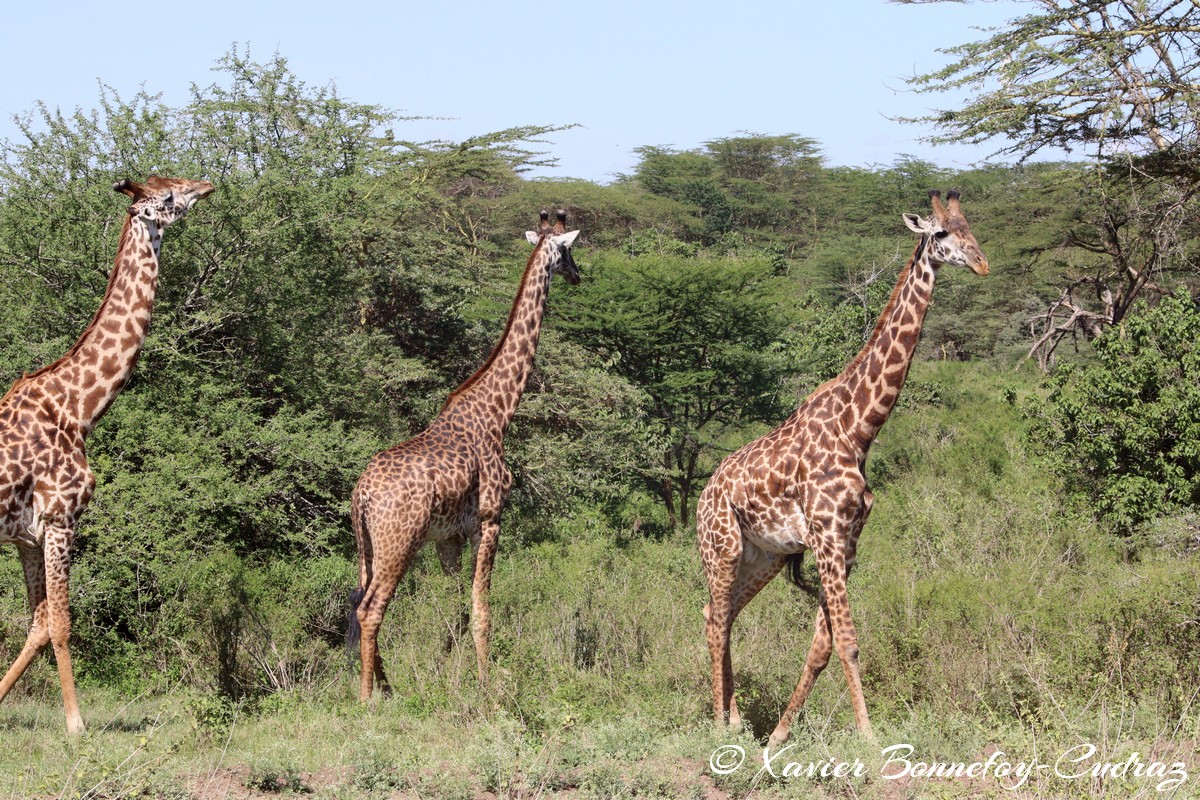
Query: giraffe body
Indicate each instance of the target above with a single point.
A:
(802, 487)
(45, 482)
(449, 483)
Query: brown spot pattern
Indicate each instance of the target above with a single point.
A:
(449, 483)
(45, 482)
(802, 486)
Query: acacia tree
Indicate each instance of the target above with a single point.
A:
(738, 184)
(1119, 82)
(299, 327)
(703, 339)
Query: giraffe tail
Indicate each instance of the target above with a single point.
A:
(353, 631)
(795, 574)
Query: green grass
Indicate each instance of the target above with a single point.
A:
(993, 615)
(331, 747)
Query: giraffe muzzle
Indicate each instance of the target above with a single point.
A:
(569, 270)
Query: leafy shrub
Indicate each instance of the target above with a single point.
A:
(1124, 432)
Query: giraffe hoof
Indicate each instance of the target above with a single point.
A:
(777, 739)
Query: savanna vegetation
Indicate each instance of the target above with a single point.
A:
(1029, 579)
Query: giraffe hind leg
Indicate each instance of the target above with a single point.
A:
(832, 630)
(715, 527)
(353, 629)
(383, 575)
(734, 578)
(46, 580)
(750, 574)
(370, 611)
(365, 557)
(757, 569)
(33, 564)
(716, 628)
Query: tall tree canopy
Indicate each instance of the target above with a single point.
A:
(704, 340)
(1119, 82)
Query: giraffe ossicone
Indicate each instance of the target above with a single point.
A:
(448, 484)
(45, 482)
(803, 485)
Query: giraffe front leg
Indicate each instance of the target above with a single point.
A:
(34, 565)
(56, 550)
(481, 584)
(495, 482)
(834, 574)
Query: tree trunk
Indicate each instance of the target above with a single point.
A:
(668, 492)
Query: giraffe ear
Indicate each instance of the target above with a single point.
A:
(532, 236)
(566, 239)
(125, 187)
(915, 223)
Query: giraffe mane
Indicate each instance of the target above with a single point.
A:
(112, 276)
(883, 315)
(479, 373)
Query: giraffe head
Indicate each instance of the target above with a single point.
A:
(161, 201)
(558, 240)
(946, 236)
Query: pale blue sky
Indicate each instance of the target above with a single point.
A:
(630, 73)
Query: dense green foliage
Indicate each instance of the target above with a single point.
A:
(1124, 431)
(702, 337)
(342, 280)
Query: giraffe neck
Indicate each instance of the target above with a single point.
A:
(876, 375)
(493, 392)
(93, 372)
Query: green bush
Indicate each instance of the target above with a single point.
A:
(1124, 432)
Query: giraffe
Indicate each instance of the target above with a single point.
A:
(45, 482)
(449, 482)
(803, 487)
